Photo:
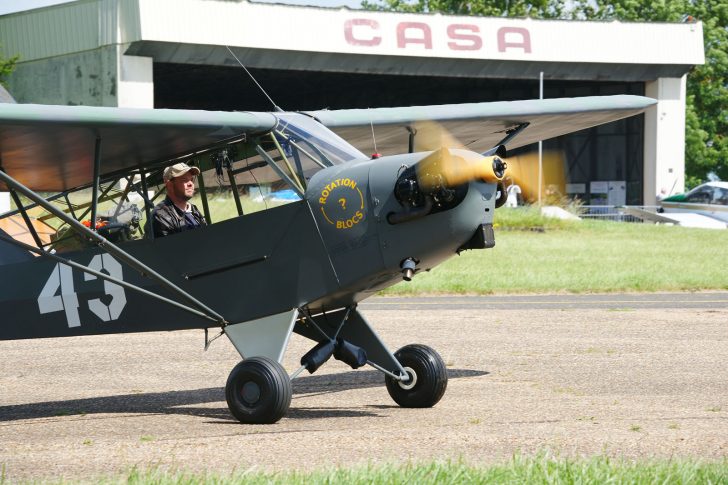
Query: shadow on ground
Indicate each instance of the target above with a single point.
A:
(183, 402)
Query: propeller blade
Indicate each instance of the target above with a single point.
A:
(450, 163)
(453, 167)
(523, 171)
(431, 136)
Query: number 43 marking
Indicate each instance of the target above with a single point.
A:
(59, 294)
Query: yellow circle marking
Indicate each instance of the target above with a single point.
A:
(343, 187)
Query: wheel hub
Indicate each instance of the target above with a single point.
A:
(411, 382)
(250, 392)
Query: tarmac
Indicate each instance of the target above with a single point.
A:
(629, 376)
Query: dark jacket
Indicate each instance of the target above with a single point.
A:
(168, 219)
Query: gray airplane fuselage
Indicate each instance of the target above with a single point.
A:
(335, 247)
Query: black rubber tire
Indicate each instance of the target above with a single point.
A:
(430, 373)
(258, 391)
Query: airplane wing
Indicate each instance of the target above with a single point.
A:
(480, 126)
(685, 219)
(51, 148)
(691, 219)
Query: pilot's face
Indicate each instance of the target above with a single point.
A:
(183, 187)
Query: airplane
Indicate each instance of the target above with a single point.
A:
(301, 265)
(705, 206)
(709, 199)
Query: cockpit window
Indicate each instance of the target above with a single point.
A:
(307, 137)
(708, 194)
(720, 196)
(701, 195)
(274, 168)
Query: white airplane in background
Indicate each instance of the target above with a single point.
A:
(706, 206)
(709, 200)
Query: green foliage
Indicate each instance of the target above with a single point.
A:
(706, 147)
(6, 67)
(495, 8)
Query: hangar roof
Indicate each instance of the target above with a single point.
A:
(342, 40)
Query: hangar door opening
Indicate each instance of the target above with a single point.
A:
(611, 153)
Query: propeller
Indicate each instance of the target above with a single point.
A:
(450, 162)
(452, 166)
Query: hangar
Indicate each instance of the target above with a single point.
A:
(174, 54)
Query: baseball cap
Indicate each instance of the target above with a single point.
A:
(178, 169)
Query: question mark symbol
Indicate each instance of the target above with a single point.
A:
(343, 203)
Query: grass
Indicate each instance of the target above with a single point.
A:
(540, 469)
(529, 218)
(580, 257)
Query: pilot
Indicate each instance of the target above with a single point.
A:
(176, 213)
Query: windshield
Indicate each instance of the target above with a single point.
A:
(302, 136)
(274, 168)
(708, 194)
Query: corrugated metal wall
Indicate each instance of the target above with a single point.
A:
(74, 27)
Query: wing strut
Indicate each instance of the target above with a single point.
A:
(145, 196)
(97, 176)
(111, 248)
(24, 214)
(511, 133)
(278, 170)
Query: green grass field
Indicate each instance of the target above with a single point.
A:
(581, 256)
(518, 470)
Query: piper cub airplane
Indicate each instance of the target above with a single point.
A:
(86, 263)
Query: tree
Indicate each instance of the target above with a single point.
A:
(706, 123)
(494, 8)
(6, 67)
(706, 118)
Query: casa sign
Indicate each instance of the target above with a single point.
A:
(457, 36)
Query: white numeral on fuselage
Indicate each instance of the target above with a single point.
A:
(118, 297)
(59, 293)
(48, 302)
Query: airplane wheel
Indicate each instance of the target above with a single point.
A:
(428, 377)
(258, 391)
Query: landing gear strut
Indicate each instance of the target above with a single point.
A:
(258, 390)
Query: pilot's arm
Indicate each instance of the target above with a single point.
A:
(162, 223)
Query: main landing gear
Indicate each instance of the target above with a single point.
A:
(258, 390)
